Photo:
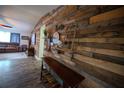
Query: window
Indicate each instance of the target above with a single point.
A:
(15, 38)
(9, 37)
(33, 39)
(4, 36)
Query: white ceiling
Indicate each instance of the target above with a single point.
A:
(22, 17)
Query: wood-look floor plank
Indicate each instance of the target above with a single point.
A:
(21, 73)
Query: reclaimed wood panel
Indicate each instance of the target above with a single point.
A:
(112, 59)
(67, 60)
(84, 69)
(100, 40)
(111, 34)
(118, 69)
(116, 53)
(85, 13)
(108, 15)
(101, 29)
(103, 45)
(102, 74)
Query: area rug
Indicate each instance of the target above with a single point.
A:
(20, 55)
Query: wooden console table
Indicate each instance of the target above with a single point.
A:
(69, 77)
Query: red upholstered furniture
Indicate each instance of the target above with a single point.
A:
(11, 49)
(8, 47)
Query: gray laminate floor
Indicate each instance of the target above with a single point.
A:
(21, 73)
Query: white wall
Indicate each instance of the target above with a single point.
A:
(22, 33)
(24, 41)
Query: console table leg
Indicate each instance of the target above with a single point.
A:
(41, 75)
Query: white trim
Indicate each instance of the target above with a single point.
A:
(37, 58)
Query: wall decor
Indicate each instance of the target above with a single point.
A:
(25, 37)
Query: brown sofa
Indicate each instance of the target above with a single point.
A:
(9, 47)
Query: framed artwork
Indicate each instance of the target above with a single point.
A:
(25, 37)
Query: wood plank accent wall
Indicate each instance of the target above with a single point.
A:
(94, 45)
(108, 15)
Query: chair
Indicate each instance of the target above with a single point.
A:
(24, 48)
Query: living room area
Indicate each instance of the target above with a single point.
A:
(18, 65)
(16, 26)
(12, 42)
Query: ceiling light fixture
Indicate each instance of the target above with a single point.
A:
(5, 26)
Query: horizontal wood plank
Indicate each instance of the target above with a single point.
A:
(109, 34)
(64, 49)
(115, 68)
(102, 45)
(108, 15)
(67, 60)
(85, 13)
(99, 40)
(112, 59)
(116, 53)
